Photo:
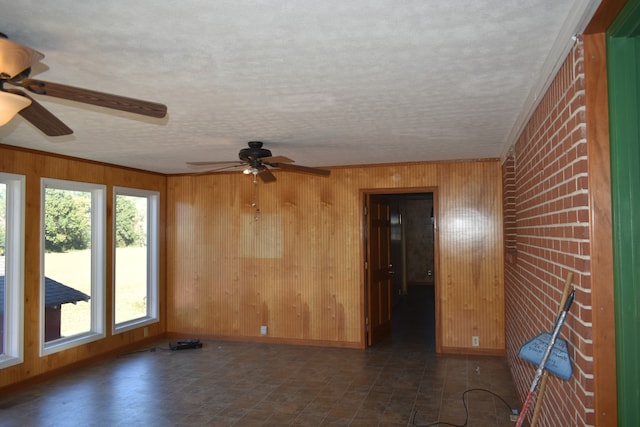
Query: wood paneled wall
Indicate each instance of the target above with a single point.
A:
(35, 165)
(294, 261)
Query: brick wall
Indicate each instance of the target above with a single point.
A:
(547, 236)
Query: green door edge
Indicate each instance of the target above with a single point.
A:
(623, 62)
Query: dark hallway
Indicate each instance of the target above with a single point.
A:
(414, 317)
(413, 252)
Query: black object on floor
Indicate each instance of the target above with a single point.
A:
(185, 344)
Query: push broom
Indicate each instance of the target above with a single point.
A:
(545, 375)
(547, 352)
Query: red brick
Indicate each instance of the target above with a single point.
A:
(547, 218)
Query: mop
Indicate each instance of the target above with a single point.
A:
(561, 364)
(545, 376)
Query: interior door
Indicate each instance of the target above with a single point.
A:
(379, 268)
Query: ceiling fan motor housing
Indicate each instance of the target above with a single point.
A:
(254, 152)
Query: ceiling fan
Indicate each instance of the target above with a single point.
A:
(15, 66)
(257, 161)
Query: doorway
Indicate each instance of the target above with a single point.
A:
(401, 286)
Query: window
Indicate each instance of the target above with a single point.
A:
(135, 257)
(12, 188)
(73, 242)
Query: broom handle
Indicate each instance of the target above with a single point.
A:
(545, 375)
(536, 379)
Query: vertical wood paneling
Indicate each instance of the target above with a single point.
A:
(34, 166)
(471, 256)
(310, 288)
(312, 291)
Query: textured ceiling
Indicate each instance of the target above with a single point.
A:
(325, 83)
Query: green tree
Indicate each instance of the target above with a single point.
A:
(128, 222)
(67, 223)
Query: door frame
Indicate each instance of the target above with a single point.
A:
(363, 193)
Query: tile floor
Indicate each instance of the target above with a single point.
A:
(400, 382)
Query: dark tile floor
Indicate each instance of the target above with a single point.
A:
(400, 382)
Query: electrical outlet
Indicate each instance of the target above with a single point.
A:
(475, 341)
(263, 330)
(145, 331)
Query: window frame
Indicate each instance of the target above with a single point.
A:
(153, 260)
(98, 261)
(13, 348)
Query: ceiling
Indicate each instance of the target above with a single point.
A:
(326, 83)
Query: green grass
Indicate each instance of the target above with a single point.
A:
(74, 270)
(131, 280)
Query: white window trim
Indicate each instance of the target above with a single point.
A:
(153, 260)
(98, 260)
(14, 271)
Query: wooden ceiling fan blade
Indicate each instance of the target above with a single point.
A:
(206, 165)
(101, 99)
(265, 174)
(301, 169)
(203, 169)
(15, 58)
(278, 159)
(42, 118)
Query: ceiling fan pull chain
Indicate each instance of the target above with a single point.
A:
(254, 203)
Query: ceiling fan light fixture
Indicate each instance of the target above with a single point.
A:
(250, 170)
(10, 105)
(15, 58)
